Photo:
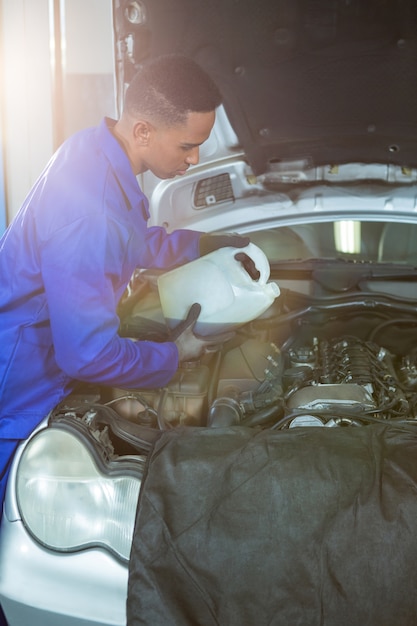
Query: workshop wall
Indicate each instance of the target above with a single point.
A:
(56, 73)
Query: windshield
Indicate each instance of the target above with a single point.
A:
(383, 242)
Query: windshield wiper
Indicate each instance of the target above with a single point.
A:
(340, 275)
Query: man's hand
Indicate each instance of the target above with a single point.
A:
(209, 243)
(190, 346)
(248, 265)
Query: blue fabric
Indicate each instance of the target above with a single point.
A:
(65, 261)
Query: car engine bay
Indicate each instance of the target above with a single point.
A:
(309, 361)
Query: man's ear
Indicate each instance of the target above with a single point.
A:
(142, 131)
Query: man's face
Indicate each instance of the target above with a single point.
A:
(172, 150)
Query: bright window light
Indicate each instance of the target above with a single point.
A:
(347, 235)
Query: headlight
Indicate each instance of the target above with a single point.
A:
(68, 503)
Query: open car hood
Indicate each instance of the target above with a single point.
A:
(316, 81)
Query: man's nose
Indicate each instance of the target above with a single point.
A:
(194, 156)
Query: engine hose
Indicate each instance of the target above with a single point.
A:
(224, 412)
(214, 378)
(263, 417)
(162, 423)
(227, 411)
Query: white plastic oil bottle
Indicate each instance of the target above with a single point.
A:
(228, 296)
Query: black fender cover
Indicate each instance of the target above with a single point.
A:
(308, 526)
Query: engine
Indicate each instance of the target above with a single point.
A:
(344, 382)
(340, 382)
(310, 361)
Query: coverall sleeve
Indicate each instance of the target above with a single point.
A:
(164, 251)
(81, 266)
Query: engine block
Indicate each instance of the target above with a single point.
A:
(345, 374)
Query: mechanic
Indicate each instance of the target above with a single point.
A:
(68, 256)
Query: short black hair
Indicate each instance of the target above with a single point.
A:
(168, 88)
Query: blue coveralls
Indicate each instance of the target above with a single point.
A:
(65, 262)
